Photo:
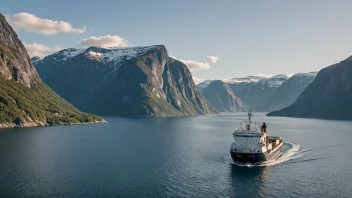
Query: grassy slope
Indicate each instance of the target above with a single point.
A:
(19, 105)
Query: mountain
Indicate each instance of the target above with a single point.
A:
(35, 59)
(14, 60)
(203, 85)
(258, 94)
(329, 96)
(128, 82)
(289, 91)
(221, 96)
(241, 80)
(24, 99)
(247, 79)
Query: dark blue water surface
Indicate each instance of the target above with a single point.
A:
(174, 157)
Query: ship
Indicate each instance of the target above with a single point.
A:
(253, 145)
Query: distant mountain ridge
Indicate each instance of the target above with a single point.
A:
(128, 82)
(247, 79)
(221, 96)
(267, 93)
(329, 96)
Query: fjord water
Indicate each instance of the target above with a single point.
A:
(174, 157)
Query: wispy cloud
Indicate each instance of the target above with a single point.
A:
(35, 49)
(265, 75)
(105, 41)
(212, 59)
(194, 66)
(32, 23)
(197, 80)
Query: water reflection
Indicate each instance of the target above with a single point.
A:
(249, 181)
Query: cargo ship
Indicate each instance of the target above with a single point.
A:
(253, 145)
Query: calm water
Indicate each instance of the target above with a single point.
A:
(173, 157)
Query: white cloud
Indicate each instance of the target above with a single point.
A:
(105, 41)
(57, 48)
(32, 23)
(197, 80)
(265, 75)
(195, 66)
(40, 50)
(212, 59)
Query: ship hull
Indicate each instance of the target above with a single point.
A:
(256, 158)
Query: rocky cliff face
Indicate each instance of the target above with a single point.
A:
(329, 96)
(128, 82)
(24, 99)
(14, 60)
(221, 96)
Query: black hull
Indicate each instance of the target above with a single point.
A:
(255, 158)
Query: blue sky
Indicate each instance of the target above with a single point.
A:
(249, 37)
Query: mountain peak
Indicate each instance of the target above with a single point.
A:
(113, 55)
(274, 81)
(35, 59)
(247, 79)
(2, 17)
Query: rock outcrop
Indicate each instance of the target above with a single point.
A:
(14, 60)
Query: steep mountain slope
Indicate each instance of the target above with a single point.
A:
(329, 96)
(14, 60)
(220, 95)
(128, 82)
(289, 91)
(24, 99)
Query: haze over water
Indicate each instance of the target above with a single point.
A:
(175, 157)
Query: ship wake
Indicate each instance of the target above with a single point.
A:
(290, 151)
(291, 154)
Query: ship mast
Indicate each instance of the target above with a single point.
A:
(250, 116)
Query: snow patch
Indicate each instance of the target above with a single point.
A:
(69, 53)
(108, 55)
(247, 79)
(275, 81)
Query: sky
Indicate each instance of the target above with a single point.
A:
(216, 39)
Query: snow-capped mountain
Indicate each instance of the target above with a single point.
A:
(329, 96)
(274, 81)
(240, 80)
(289, 91)
(247, 79)
(110, 56)
(266, 93)
(35, 59)
(129, 82)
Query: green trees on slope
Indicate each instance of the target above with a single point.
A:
(19, 104)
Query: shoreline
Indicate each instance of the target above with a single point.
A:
(34, 124)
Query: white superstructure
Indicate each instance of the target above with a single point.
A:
(249, 138)
(252, 144)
